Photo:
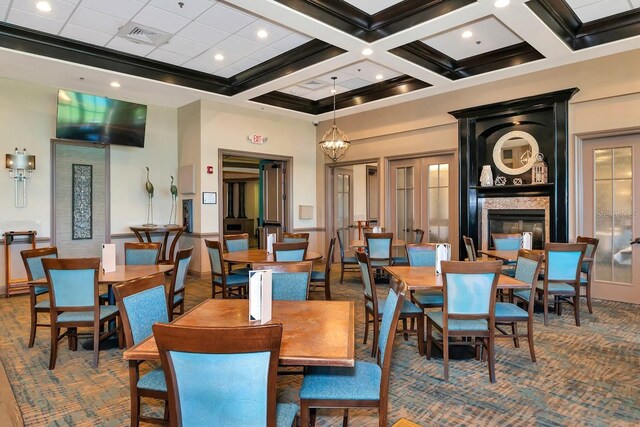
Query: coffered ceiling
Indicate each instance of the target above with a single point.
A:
(281, 55)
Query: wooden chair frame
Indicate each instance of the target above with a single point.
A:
(468, 242)
(590, 261)
(33, 298)
(144, 245)
(304, 236)
(288, 267)
(326, 283)
(182, 254)
(227, 237)
(344, 264)
(278, 246)
(226, 291)
(374, 236)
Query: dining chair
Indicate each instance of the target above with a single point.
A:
(563, 266)
(470, 248)
(142, 253)
(379, 248)
(141, 303)
(232, 285)
(32, 259)
(468, 311)
(374, 308)
(508, 313)
(73, 298)
(295, 237)
(366, 385)
(289, 280)
(175, 298)
(345, 261)
(424, 255)
(283, 252)
(323, 278)
(506, 241)
(417, 239)
(223, 376)
(236, 243)
(586, 276)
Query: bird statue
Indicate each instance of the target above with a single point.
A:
(174, 190)
(148, 185)
(174, 197)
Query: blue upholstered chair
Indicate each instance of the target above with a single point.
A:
(295, 237)
(175, 297)
(366, 385)
(141, 303)
(141, 253)
(379, 248)
(236, 243)
(563, 264)
(508, 313)
(506, 242)
(374, 308)
(32, 259)
(73, 297)
(469, 248)
(290, 252)
(424, 255)
(418, 235)
(586, 270)
(468, 310)
(345, 261)
(233, 285)
(223, 376)
(289, 280)
(323, 278)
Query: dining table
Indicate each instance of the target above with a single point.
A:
(361, 243)
(424, 278)
(315, 333)
(261, 256)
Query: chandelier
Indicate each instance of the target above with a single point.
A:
(334, 142)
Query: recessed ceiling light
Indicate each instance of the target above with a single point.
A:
(333, 91)
(218, 57)
(467, 34)
(43, 6)
(367, 51)
(262, 34)
(501, 3)
(115, 84)
(379, 77)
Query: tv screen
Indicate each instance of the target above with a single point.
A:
(98, 119)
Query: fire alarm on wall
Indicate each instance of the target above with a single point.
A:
(209, 170)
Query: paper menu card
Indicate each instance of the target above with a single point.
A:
(527, 240)
(443, 253)
(271, 239)
(108, 257)
(260, 295)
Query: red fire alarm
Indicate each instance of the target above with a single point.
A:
(209, 170)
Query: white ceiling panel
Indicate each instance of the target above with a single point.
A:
(167, 56)
(291, 41)
(225, 18)
(184, 47)
(635, 3)
(190, 9)
(4, 2)
(373, 6)
(98, 21)
(488, 34)
(60, 10)
(160, 19)
(590, 10)
(3, 11)
(354, 83)
(274, 32)
(296, 90)
(36, 22)
(125, 9)
(203, 33)
(239, 46)
(265, 54)
(127, 46)
(86, 35)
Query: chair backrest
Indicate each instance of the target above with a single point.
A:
(32, 259)
(289, 280)
(422, 255)
(295, 237)
(236, 242)
(329, 260)
(220, 376)
(419, 236)
(563, 262)
(73, 283)
(368, 282)
(283, 252)
(340, 246)
(470, 248)
(179, 274)
(528, 270)
(214, 249)
(379, 246)
(470, 290)
(590, 252)
(141, 303)
(142, 253)
(506, 242)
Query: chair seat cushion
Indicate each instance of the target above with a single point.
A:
(154, 380)
(178, 298)
(233, 280)
(506, 309)
(400, 260)
(407, 307)
(584, 281)
(435, 298)
(317, 276)
(558, 287)
(45, 303)
(86, 316)
(458, 324)
(380, 263)
(522, 294)
(104, 296)
(240, 271)
(39, 290)
(285, 414)
(362, 382)
(349, 260)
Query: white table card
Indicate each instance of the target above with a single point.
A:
(260, 295)
(527, 240)
(443, 253)
(108, 257)
(271, 239)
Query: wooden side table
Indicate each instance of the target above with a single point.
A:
(139, 230)
(15, 286)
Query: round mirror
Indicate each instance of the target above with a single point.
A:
(515, 152)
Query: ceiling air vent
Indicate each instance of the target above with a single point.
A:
(142, 34)
(313, 84)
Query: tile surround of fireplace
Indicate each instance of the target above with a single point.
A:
(511, 204)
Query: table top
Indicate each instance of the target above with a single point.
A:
(122, 273)
(360, 243)
(420, 278)
(512, 256)
(315, 333)
(157, 228)
(261, 255)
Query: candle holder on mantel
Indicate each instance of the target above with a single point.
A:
(539, 171)
(486, 177)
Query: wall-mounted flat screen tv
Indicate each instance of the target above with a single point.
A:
(98, 119)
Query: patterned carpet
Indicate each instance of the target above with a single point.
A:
(584, 376)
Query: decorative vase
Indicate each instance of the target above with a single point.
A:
(486, 177)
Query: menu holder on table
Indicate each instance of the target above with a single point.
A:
(260, 295)
(527, 240)
(108, 257)
(271, 239)
(443, 253)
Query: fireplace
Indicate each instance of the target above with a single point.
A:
(517, 221)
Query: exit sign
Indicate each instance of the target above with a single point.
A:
(257, 139)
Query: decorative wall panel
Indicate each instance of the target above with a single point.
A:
(82, 200)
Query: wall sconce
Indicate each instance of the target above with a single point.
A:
(20, 167)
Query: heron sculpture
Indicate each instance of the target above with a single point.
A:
(149, 187)
(174, 198)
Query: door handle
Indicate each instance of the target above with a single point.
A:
(636, 242)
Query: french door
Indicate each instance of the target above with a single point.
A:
(343, 205)
(611, 213)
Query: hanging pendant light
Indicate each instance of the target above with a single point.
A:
(334, 142)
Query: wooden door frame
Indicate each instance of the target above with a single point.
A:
(107, 167)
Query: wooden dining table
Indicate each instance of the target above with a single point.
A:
(360, 243)
(315, 333)
(423, 278)
(261, 256)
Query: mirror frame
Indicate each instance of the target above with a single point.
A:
(497, 152)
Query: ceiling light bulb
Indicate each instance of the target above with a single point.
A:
(467, 34)
(333, 91)
(43, 6)
(262, 34)
(379, 77)
(115, 84)
(367, 51)
(501, 3)
(218, 57)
